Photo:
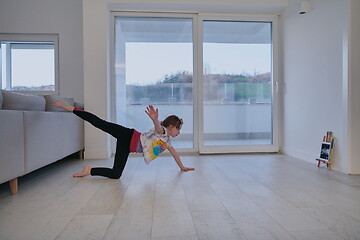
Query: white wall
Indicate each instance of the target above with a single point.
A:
(354, 87)
(52, 16)
(320, 63)
(315, 90)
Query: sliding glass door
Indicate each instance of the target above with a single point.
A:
(215, 72)
(237, 86)
(154, 65)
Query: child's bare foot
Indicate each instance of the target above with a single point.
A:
(61, 104)
(86, 171)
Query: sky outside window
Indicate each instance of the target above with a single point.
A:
(170, 58)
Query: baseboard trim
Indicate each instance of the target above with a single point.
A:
(305, 156)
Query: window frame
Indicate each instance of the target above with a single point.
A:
(36, 39)
(270, 18)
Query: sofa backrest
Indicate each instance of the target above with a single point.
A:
(31, 102)
(20, 101)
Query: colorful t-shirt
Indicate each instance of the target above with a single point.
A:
(153, 144)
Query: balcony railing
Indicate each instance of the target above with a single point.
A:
(228, 115)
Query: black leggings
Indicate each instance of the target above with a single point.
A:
(123, 136)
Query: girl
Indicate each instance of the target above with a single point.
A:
(151, 144)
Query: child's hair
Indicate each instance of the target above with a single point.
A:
(172, 120)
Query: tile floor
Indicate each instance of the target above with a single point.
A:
(255, 196)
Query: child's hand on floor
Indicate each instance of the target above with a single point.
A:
(186, 169)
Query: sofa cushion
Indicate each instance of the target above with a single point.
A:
(21, 101)
(50, 99)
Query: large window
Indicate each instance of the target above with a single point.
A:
(237, 83)
(28, 63)
(214, 71)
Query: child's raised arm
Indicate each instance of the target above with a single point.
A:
(154, 115)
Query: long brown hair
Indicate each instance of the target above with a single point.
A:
(172, 120)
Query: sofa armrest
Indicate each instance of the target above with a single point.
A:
(72, 133)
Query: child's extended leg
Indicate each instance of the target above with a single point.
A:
(122, 134)
(113, 129)
(115, 172)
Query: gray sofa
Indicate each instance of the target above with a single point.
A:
(34, 134)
